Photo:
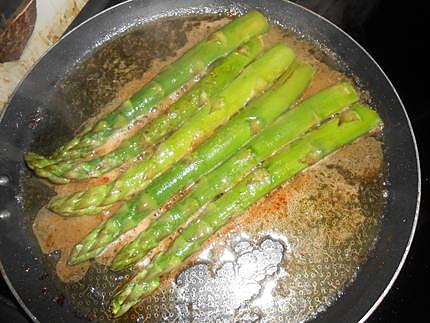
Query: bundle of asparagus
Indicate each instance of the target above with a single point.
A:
(232, 138)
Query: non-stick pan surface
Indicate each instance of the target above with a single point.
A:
(37, 114)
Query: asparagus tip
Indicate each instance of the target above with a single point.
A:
(132, 294)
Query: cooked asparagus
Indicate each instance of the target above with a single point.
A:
(218, 148)
(192, 63)
(223, 73)
(295, 157)
(253, 80)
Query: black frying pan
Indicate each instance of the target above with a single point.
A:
(39, 117)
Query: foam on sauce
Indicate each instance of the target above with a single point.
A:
(326, 219)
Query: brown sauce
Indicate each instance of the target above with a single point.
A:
(326, 217)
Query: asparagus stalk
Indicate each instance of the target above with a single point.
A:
(284, 130)
(254, 79)
(192, 63)
(222, 145)
(223, 73)
(295, 157)
(265, 109)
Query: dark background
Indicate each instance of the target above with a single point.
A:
(393, 32)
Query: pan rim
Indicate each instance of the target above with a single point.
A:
(402, 261)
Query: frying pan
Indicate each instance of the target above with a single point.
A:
(39, 118)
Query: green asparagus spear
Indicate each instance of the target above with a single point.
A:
(285, 129)
(218, 148)
(192, 63)
(254, 79)
(223, 73)
(295, 157)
